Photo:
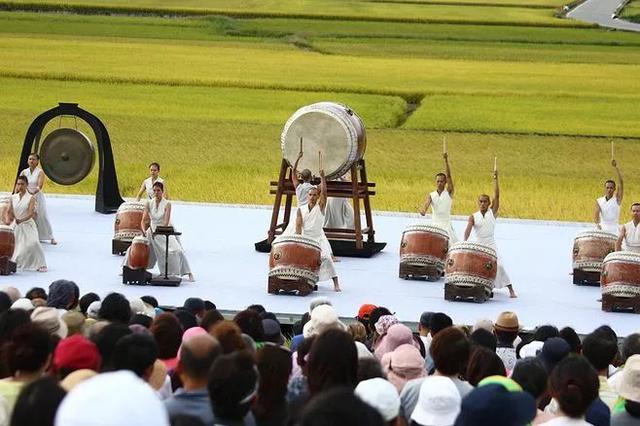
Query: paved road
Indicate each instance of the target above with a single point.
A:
(600, 12)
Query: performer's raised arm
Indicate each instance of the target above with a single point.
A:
(322, 201)
(495, 205)
(294, 171)
(621, 236)
(596, 215)
(467, 232)
(447, 169)
(620, 191)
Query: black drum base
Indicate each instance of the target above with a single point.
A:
(588, 278)
(456, 293)
(119, 246)
(298, 287)
(161, 281)
(341, 248)
(611, 303)
(135, 276)
(410, 271)
(7, 267)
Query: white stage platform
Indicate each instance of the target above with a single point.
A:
(219, 244)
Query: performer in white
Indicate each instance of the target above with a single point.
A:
(147, 184)
(607, 210)
(28, 254)
(339, 212)
(629, 236)
(440, 201)
(301, 183)
(157, 212)
(483, 222)
(309, 222)
(35, 177)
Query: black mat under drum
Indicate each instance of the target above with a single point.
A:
(344, 248)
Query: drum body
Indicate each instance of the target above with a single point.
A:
(621, 274)
(295, 257)
(5, 202)
(327, 127)
(590, 248)
(7, 241)
(471, 264)
(424, 245)
(139, 253)
(128, 220)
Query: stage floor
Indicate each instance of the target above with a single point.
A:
(219, 242)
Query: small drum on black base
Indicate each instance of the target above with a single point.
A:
(423, 251)
(7, 246)
(620, 282)
(294, 263)
(470, 272)
(135, 272)
(589, 250)
(135, 276)
(127, 226)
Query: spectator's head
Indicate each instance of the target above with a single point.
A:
(425, 323)
(257, 308)
(398, 334)
(167, 332)
(506, 327)
(36, 293)
(196, 358)
(272, 331)
(75, 353)
(115, 308)
(364, 316)
(74, 321)
(574, 384)
(13, 293)
(136, 353)
(49, 319)
(484, 338)
(403, 364)
(572, 338)
(139, 307)
(381, 395)
(333, 361)
(229, 335)
(630, 346)
(629, 386)
(63, 294)
(5, 302)
(233, 385)
(93, 310)
(496, 405)
(318, 301)
(10, 320)
(274, 365)
(450, 350)
(369, 368)
(38, 403)
(29, 350)
(106, 340)
(195, 305)
(186, 319)
(438, 322)
(211, 318)
(483, 363)
(209, 305)
(250, 323)
(141, 320)
(531, 375)
(599, 349)
(358, 331)
(86, 300)
(150, 300)
(438, 402)
(553, 351)
(339, 406)
(375, 315)
(544, 332)
(323, 317)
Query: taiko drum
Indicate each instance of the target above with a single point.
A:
(471, 264)
(139, 253)
(620, 275)
(590, 248)
(129, 220)
(424, 245)
(295, 257)
(7, 241)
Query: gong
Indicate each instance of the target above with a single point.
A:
(67, 156)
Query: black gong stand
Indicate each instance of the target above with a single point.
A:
(108, 197)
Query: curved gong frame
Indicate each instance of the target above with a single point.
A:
(108, 197)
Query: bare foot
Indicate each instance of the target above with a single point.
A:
(191, 277)
(42, 269)
(337, 289)
(335, 259)
(54, 242)
(513, 295)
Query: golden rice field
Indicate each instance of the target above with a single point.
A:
(207, 91)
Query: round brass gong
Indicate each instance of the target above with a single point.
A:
(67, 156)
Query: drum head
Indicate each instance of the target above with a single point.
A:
(67, 156)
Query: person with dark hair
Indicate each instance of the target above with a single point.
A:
(506, 329)
(364, 317)
(187, 319)
(607, 208)
(5, 302)
(147, 184)
(63, 294)
(628, 238)
(250, 323)
(36, 293)
(141, 319)
(484, 338)
(531, 375)
(197, 355)
(333, 361)
(167, 332)
(440, 201)
(136, 353)
(339, 406)
(574, 385)
(27, 254)
(115, 308)
(483, 363)
(196, 307)
(38, 403)
(257, 308)
(298, 387)
(10, 320)
(35, 183)
(233, 386)
(600, 349)
(106, 340)
(27, 355)
(572, 338)
(424, 329)
(274, 366)
(151, 301)
(86, 300)
(211, 318)
(370, 368)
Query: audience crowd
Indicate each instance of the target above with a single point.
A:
(72, 360)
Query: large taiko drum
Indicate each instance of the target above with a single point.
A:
(5, 202)
(621, 274)
(590, 248)
(7, 241)
(139, 253)
(327, 127)
(128, 220)
(470, 265)
(424, 245)
(295, 257)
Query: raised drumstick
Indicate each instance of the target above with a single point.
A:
(612, 156)
(495, 163)
(300, 144)
(444, 144)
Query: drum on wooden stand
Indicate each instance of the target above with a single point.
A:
(294, 263)
(423, 251)
(470, 272)
(620, 281)
(589, 250)
(127, 226)
(139, 253)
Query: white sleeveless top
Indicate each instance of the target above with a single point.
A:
(32, 177)
(632, 237)
(21, 205)
(148, 184)
(441, 207)
(609, 214)
(302, 193)
(484, 226)
(156, 213)
(312, 222)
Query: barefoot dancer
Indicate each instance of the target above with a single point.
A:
(35, 177)
(147, 184)
(630, 232)
(440, 201)
(607, 211)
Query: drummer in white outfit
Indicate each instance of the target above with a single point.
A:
(302, 183)
(339, 212)
(147, 184)
(157, 212)
(607, 211)
(440, 202)
(309, 222)
(35, 177)
(483, 222)
(28, 254)
(629, 236)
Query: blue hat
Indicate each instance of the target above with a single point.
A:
(494, 405)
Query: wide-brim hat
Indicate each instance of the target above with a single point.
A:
(49, 319)
(507, 321)
(495, 405)
(628, 386)
(438, 402)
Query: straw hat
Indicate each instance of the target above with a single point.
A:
(507, 321)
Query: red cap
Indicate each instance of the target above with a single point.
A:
(76, 353)
(365, 310)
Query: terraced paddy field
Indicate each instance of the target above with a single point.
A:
(204, 87)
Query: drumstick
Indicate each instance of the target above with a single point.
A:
(495, 164)
(444, 144)
(319, 160)
(300, 144)
(612, 156)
